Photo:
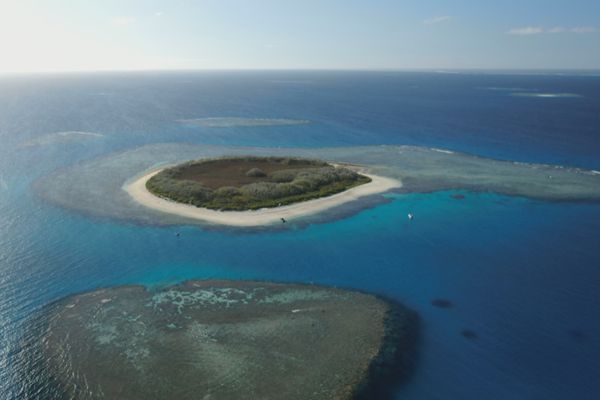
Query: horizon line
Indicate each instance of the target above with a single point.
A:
(511, 70)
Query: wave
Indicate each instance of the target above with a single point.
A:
(441, 150)
(524, 92)
(293, 82)
(101, 94)
(505, 89)
(546, 95)
(229, 122)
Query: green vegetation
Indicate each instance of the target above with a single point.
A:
(249, 183)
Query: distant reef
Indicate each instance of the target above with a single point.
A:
(221, 340)
(60, 138)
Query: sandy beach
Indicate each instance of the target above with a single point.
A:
(266, 216)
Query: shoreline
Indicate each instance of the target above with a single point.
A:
(265, 216)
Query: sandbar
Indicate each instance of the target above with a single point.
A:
(265, 216)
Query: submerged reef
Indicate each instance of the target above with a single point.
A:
(577, 335)
(61, 138)
(442, 303)
(469, 334)
(96, 186)
(223, 340)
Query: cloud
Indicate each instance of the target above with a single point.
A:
(437, 20)
(538, 30)
(122, 21)
(583, 29)
(529, 30)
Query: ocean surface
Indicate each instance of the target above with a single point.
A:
(523, 275)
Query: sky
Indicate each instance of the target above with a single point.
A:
(62, 35)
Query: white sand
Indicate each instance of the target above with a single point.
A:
(265, 216)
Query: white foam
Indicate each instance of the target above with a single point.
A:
(293, 82)
(506, 89)
(228, 122)
(442, 150)
(546, 95)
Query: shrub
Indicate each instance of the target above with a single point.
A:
(285, 175)
(260, 190)
(256, 173)
(286, 186)
(227, 191)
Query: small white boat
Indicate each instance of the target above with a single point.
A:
(410, 216)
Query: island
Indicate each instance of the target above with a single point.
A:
(251, 190)
(223, 340)
(114, 186)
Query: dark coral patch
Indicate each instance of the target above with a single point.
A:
(442, 303)
(577, 335)
(469, 334)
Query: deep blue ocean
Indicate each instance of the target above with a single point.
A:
(523, 274)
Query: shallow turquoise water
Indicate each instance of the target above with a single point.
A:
(522, 274)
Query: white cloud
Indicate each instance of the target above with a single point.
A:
(556, 29)
(528, 30)
(122, 21)
(538, 30)
(437, 20)
(583, 29)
